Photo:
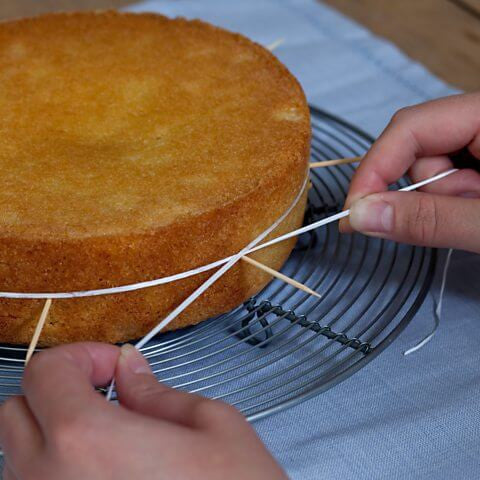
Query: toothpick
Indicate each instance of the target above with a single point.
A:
(275, 44)
(38, 330)
(338, 161)
(281, 276)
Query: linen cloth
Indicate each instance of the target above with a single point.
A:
(400, 417)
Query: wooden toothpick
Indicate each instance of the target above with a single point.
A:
(337, 161)
(275, 44)
(281, 276)
(38, 330)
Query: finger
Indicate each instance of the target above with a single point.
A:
(20, 434)
(430, 129)
(58, 383)
(7, 474)
(420, 219)
(139, 390)
(429, 167)
(465, 183)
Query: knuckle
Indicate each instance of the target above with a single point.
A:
(9, 409)
(422, 223)
(67, 434)
(38, 364)
(401, 115)
(9, 406)
(214, 411)
(145, 393)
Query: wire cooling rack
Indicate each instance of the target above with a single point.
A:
(284, 346)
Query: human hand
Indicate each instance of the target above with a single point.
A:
(419, 141)
(63, 429)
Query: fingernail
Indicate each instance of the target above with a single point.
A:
(470, 195)
(132, 359)
(372, 215)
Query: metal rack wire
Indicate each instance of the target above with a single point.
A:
(283, 346)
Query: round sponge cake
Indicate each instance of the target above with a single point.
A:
(134, 147)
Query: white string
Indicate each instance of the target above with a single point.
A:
(211, 280)
(437, 312)
(210, 266)
(251, 248)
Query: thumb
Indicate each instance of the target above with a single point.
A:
(420, 219)
(139, 391)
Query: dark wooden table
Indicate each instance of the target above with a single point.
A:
(444, 35)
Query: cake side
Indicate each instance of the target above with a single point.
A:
(122, 317)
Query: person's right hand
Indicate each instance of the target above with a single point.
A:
(419, 141)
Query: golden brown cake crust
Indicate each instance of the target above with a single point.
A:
(134, 147)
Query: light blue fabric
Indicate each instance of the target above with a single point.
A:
(400, 417)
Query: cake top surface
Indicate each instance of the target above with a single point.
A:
(115, 124)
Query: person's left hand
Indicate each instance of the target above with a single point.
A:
(63, 429)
